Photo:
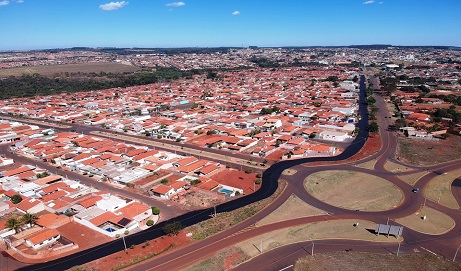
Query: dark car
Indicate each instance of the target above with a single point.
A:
(415, 190)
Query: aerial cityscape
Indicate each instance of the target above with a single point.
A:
(246, 135)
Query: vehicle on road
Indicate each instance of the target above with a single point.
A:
(415, 190)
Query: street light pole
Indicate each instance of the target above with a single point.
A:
(312, 251)
(124, 244)
(456, 253)
(398, 250)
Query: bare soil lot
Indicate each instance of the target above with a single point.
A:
(358, 261)
(51, 70)
(420, 152)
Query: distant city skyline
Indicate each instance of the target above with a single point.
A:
(46, 24)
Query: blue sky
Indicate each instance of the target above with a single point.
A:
(40, 24)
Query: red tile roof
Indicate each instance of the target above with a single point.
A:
(42, 235)
(162, 189)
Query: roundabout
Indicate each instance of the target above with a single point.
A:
(353, 190)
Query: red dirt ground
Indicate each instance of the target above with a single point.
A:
(139, 252)
(230, 259)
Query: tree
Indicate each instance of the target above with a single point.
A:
(164, 181)
(405, 133)
(29, 218)
(16, 199)
(400, 123)
(332, 78)
(150, 223)
(373, 127)
(173, 228)
(155, 210)
(13, 223)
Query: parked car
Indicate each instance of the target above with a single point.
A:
(415, 190)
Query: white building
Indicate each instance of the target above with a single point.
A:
(42, 238)
(333, 136)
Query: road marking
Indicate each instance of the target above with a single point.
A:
(429, 251)
(290, 266)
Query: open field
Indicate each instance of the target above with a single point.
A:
(363, 261)
(368, 165)
(370, 193)
(391, 166)
(337, 229)
(293, 208)
(223, 260)
(439, 189)
(422, 152)
(435, 223)
(411, 178)
(51, 70)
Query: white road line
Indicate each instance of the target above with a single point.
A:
(429, 251)
(286, 268)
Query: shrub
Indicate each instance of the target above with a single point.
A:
(126, 232)
(15, 199)
(164, 181)
(150, 223)
(259, 175)
(155, 210)
(258, 181)
(173, 228)
(248, 171)
(117, 235)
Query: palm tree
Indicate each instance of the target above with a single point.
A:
(13, 223)
(29, 218)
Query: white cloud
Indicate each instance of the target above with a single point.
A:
(19, 1)
(368, 2)
(381, 3)
(4, 3)
(176, 4)
(236, 13)
(113, 5)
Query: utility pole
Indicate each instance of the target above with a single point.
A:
(398, 250)
(312, 251)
